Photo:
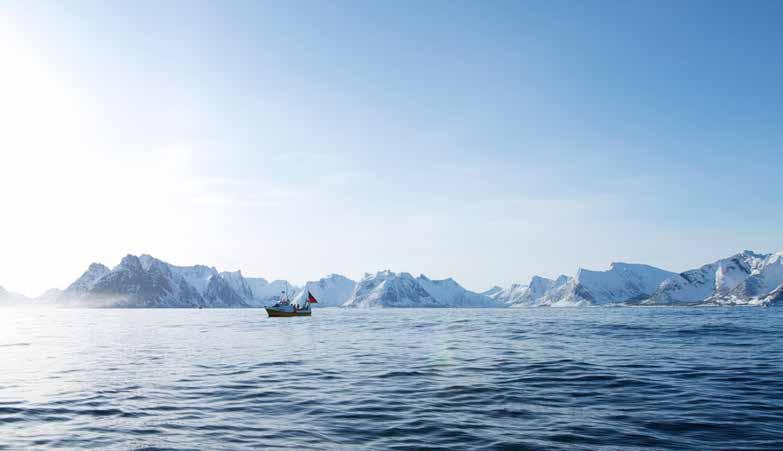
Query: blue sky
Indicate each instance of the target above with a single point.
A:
(488, 141)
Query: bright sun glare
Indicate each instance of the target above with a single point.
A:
(57, 167)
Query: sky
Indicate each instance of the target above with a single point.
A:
(485, 141)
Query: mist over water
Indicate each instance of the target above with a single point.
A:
(608, 378)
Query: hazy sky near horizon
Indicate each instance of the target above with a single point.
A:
(487, 141)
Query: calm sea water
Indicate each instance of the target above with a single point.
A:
(632, 378)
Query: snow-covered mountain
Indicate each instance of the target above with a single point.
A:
(744, 279)
(239, 284)
(265, 293)
(509, 294)
(766, 276)
(519, 295)
(449, 293)
(712, 281)
(141, 282)
(622, 283)
(86, 281)
(330, 291)
(390, 289)
(146, 281)
(747, 278)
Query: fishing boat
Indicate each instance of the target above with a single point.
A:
(285, 308)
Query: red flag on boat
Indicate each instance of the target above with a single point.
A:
(311, 299)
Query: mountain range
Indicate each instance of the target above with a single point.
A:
(747, 278)
(389, 289)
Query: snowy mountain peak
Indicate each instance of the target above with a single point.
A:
(538, 279)
(330, 291)
(131, 262)
(515, 294)
(449, 282)
(623, 266)
(750, 285)
(146, 281)
(745, 278)
(713, 282)
(86, 281)
(450, 293)
(97, 268)
(521, 295)
(622, 282)
(389, 289)
(540, 283)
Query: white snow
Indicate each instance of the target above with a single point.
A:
(449, 293)
(519, 295)
(389, 289)
(623, 282)
(746, 278)
(87, 280)
(766, 276)
(265, 292)
(330, 291)
(717, 278)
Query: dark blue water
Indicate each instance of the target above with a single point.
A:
(632, 378)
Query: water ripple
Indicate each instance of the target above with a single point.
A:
(539, 379)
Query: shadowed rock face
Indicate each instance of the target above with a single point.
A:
(239, 284)
(220, 294)
(751, 287)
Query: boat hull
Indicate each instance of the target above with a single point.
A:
(274, 313)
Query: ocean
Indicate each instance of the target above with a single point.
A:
(539, 379)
